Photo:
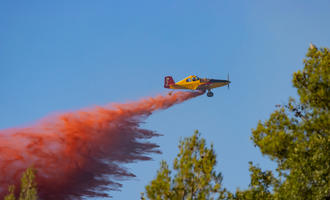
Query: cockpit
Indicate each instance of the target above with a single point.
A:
(192, 79)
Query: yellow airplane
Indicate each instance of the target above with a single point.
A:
(195, 83)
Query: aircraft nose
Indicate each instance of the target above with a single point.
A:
(218, 81)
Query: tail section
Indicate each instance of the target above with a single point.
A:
(168, 81)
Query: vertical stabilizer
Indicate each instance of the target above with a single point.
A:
(168, 81)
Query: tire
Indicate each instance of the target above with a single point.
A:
(209, 94)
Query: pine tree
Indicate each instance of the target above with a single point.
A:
(296, 136)
(194, 177)
(28, 187)
(11, 195)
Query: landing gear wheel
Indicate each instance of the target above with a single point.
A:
(209, 94)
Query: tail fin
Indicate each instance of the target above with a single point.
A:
(168, 81)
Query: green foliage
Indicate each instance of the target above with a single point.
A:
(28, 187)
(296, 136)
(160, 188)
(259, 188)
(194, 178)
(11, 195)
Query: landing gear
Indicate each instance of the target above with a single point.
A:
(209, 93)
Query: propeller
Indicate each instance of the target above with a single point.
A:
(228, 81)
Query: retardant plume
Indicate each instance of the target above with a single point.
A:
(82, 153)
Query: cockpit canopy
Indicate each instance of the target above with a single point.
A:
(192, 78)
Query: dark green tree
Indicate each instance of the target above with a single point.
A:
(260, 186)
(194, 177)
(28, 187)
(296, 135)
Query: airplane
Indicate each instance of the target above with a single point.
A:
(195, 83)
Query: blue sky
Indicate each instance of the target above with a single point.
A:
(67, 55)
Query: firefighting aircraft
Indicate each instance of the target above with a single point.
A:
(195, 83)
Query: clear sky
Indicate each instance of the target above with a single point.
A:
(66, 55)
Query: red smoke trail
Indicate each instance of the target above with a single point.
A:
(80, 153)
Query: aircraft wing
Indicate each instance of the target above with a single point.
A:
(203, 86)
